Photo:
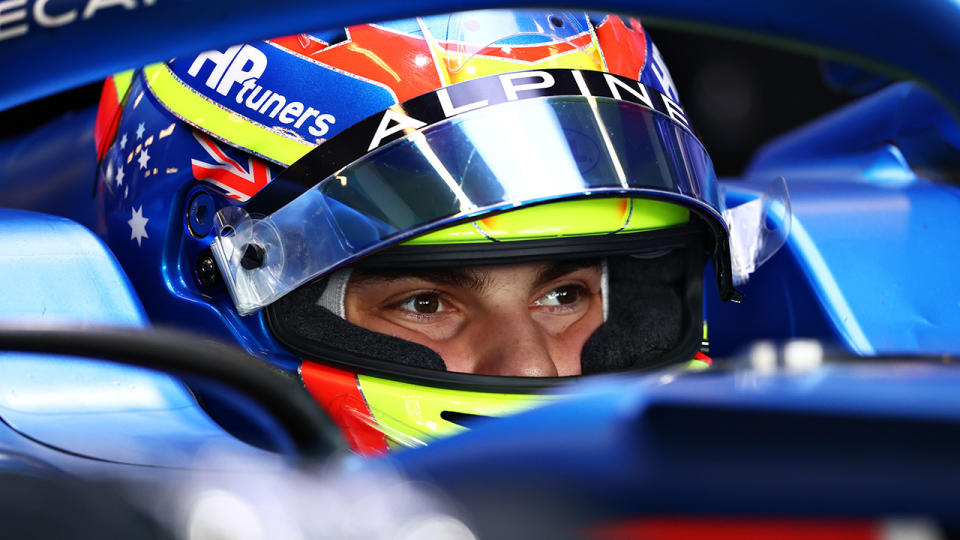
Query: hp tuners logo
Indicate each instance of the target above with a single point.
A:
(237, 73)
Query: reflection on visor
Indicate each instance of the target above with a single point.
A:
(470, 165)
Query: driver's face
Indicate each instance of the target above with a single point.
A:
(527, 320)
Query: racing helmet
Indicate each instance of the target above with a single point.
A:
(240, 186)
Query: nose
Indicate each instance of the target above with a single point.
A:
(513, 345)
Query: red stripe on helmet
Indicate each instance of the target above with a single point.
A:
(338, 392)
(624, 49)
(108, 116)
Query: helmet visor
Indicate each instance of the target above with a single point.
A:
(465, 167)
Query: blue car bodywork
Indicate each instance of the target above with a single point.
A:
(868, 269)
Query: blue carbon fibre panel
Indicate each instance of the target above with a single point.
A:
(107, 411)
(779, 304)
(871, 233)
(56, 271)
(857, 245)
(42, 64)
(881, 138)
(815, 444)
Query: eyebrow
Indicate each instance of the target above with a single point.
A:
(465, 277)
(558, 269)
(451, 277)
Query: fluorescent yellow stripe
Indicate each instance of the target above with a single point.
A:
(581, 217)
(221, 122)
(481, 66)
(121, 83)
(409, 414)
(696, 365)
(414, 411)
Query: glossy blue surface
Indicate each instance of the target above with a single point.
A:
(44, 61)
(882, 138)
(877, 259)
(871, 232)
(56, 271)
(843, 440)
(107, 411)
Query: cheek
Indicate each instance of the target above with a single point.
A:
(437, 337)
(429, 335)
(425, 334)
(459, 355)
(457, 351)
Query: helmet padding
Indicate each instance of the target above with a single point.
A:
(300, 322)
(655, 315)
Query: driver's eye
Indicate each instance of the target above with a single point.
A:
(562, 296)
(567, 295)
(426, 303)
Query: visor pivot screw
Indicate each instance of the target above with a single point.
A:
(200, 212)
(207, 273)
(252, 257)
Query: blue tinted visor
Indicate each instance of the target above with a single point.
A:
(485, 161)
